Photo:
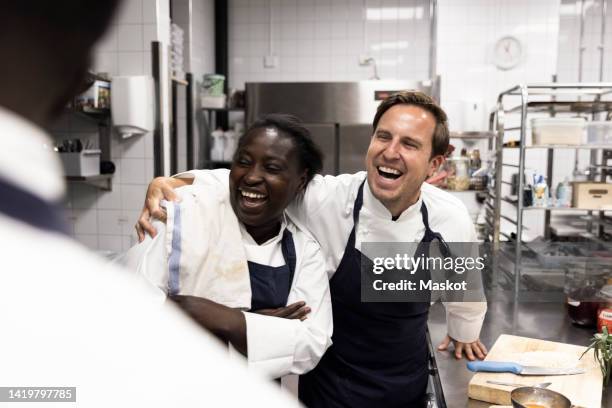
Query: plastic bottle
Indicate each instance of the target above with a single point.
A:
(218, 148)
(475, 161)
(564, 194)
(231, 141)
(540, 192)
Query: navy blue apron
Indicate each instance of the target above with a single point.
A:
(24, 206)
(379, 356)
(270, 285)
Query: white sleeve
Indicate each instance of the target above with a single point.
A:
(150, 259)
(464, 319)
(278, 346)
(206, 177)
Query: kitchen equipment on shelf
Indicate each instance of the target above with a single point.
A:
(590, 195)
(212, 91)
(599, 132)
(564, 194)
(584, 390)
(535, 397)
(177, 42)
(517, 385)
(540, 192)
(518, 369)
(458, 178)
(82, 163)
(557, 131)
(475, 161)
(218, 147)
(231, 142)
(96, 97)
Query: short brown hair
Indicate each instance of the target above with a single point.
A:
(439, 143)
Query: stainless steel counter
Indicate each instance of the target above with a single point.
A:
(546, 321)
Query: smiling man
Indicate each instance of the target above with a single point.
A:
(379, 352)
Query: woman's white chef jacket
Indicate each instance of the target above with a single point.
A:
(276, 346)
(326, 211)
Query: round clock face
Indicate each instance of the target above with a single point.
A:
(508, 52)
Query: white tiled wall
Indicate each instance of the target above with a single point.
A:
(100, 219)
(322, 40)
(467, 33)
(569, 41)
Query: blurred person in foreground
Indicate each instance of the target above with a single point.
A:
(67, 319)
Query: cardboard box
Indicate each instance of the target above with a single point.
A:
(589, 195)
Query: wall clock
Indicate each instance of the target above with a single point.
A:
(508, 52)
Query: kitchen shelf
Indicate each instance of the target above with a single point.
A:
(564, 107)
(98, 116)
(577, 147)
(565, 209)
(562, 88)
(472, 135)
(574, 95)
(223, 109)
(212, 120)
(102, 181)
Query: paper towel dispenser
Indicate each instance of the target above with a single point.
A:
(132, 105)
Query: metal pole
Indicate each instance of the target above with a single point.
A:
(519, 204)
(433, 37)
(602, 41)
(190, 115)
(174, 129)
(581, 48)
(158, 142)
(499, 154)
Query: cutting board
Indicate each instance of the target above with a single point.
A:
(583, 390)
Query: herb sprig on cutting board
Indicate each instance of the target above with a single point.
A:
(601, 343)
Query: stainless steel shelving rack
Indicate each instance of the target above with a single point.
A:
(551, 98)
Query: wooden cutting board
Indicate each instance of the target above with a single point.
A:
(583, 390)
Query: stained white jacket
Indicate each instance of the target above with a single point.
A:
(210, 260)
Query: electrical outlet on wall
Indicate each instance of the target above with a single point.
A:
(270, 61)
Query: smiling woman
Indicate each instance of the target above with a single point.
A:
(231, 246)
(267, 174)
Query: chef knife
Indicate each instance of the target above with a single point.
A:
(509, 367)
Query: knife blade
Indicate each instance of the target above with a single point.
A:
(509, 367)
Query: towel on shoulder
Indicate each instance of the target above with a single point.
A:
(199, 251)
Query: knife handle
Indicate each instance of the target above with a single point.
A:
(494, 367)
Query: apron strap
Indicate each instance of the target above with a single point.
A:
(288, 249)
(430, 235)
(26, 207)
(358, 204)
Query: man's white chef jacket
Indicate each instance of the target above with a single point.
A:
(68, 320)
(327, 212)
